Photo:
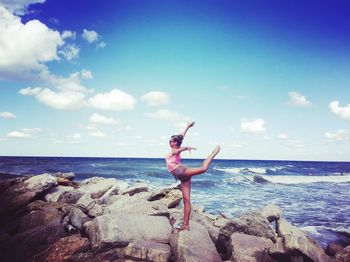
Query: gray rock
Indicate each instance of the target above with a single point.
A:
(172, 198)
(194, 245)
(90, 206)
(260, 179)
(137, 206)
(54, 193)
(250, 248)
(96, 187)
(70, 197)
(69, 175)
(118, 230)
(278, 251)
(77, 217)
(161, 192)
(147, 251)
(296, 241)
(137, 188)
(271, 212)
(333, 248)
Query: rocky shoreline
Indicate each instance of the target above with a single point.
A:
(50, 217)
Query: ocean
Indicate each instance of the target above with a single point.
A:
(315, 196)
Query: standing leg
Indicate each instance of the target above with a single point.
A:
(186, 196)
(192, 171)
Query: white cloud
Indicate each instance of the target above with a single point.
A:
(68, 92)
(7, 115)
(86, 74)
(68, 34)
(98, 134)
(115, 100)
(32, 130)
(299, 100)
(342, 112)
(70, 52)
(75, 136)
(282, 136)
(91, 128)
(17, 134)
(29, 91)
(101, 45)
(99, 119)
(339, 135)
(25, 47)
(155, 98)
(255, 126)
(165, 114)
(19, 6)
(90, 35)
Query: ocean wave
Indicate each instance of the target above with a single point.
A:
(306, 179)
(243, 170)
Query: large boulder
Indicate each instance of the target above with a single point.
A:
(76, 217)
(90, 206)
(271, 212)
(343, 255)
(297, 242)
(54, 193)
(70, 197)
(119, 229)
(22, 193)
(161, 192)
(250, 248)
(96, 187)
(172, 198)
(147, 251)
(194, 245)
(137, 206)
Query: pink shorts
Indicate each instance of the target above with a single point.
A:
(179, 173)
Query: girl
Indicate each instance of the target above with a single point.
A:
(184, 173)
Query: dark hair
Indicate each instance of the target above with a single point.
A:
(177, 138)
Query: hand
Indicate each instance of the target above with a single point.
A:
(190, 124)
(191, 148)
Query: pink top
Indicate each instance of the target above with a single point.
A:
(172, 161)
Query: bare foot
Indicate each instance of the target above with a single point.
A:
(178, 230)
(216, 150)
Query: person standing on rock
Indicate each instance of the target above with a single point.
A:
(184, 173)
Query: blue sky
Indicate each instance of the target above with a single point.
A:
(264, 79)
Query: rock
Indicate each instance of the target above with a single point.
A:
(42, 205)
(147, 251)
(200, 217)
(69, 175)
(24, 245)
(22, 193)
(106, 196)
(172, 198)
(115, 255)
(63, 249)
(296, 241)
(70, 197)
(90, 206)
(98, 186)
(260, 179)
(334, 248)
(278, 251)
(343, 255)
(137, 188)
(194, 245)
(161, 192)
(271, 212)
(37, 218)
(76, 217)
(137, 206)
(220, 222)
(118, 230)
(54, 193)
(250, 248)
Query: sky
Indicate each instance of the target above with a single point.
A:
(264, 79)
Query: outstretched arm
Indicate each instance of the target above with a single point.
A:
(187, 127)
(181, 149)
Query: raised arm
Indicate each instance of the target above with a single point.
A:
(186, 129)
(183, 148)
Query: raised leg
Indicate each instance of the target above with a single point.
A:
(192, 171)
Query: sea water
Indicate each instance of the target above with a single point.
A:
(315, 196)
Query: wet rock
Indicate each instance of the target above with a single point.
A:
(63, 249)
(147, 251)
(296, 241)
(250, 248)
(194, 245)
(260, 179)
(118, 230)
(54, 193)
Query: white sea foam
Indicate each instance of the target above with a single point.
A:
(306, 179)
(243, 170)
